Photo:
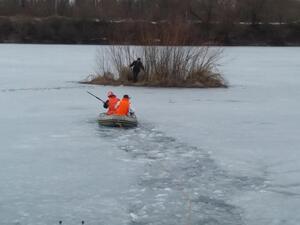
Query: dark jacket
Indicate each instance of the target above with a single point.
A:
(137, 66)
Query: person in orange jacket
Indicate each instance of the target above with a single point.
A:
(123, 106)
(111, 103)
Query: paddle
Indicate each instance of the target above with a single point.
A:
(96, 97)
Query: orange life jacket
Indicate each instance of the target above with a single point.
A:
(123, 108)
(112, 102)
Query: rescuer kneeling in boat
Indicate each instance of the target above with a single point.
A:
(123, 106)
(111, 103)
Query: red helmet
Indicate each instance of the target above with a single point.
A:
(110, 93)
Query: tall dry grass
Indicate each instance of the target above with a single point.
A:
(169, 66)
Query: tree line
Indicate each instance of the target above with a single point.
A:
(201, 19)
(206, 11)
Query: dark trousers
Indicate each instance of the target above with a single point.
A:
(135, 75)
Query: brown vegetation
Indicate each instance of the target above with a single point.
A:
(208, 11)
(172, 65)
(165, 66)
(229, 22)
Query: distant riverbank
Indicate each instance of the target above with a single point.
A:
(67, 30)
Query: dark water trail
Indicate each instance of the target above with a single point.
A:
(180, 184)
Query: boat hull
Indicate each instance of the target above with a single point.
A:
(117, 121)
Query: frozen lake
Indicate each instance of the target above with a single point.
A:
(200, 156)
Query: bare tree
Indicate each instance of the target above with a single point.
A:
(284, 11)
(253, 10)
(205, 11)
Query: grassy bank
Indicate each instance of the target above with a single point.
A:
(204, 81)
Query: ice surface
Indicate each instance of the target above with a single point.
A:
(199, 156)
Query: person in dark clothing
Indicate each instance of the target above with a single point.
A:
(137, 65)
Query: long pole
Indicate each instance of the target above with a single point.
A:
(96, 97)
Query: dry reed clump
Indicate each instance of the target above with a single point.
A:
(169, 66)
(104, 79)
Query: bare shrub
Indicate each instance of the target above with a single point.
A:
(170, 66)
(125, 74)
